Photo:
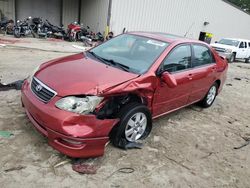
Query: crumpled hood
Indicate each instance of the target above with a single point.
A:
(79, 74)
(223, 46)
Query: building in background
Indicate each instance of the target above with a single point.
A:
(191, 18)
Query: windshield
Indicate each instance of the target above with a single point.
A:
(135, 53)
(229, 42)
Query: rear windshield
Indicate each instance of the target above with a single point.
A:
(136, 52)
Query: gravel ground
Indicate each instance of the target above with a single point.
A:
(192, 147)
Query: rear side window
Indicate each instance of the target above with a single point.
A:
(202, 56)
(249, 45)
(179, 59)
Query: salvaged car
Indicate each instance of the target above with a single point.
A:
(113, 91)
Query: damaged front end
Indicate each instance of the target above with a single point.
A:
(70, 133)
(80, 125)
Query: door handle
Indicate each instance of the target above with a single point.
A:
(190, 76)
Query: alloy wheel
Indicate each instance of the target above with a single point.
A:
(211, 95)
(136, 127)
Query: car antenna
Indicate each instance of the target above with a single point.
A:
(189, 29)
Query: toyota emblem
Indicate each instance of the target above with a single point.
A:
(39, 88)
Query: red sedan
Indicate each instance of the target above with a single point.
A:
(113, 91)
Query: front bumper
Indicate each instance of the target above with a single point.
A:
(224, 54)
(74, 135)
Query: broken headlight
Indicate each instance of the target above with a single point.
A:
(79, 105)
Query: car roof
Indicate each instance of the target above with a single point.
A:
(238, 39)
(166, 37)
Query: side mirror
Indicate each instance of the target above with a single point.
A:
(216, 42)
(169, 79)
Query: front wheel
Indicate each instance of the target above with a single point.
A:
(210, 96)
(232, 58)
(17, 33)
(135, 124)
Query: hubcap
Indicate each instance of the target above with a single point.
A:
(136, 127)
(232, 58)
(211, 95)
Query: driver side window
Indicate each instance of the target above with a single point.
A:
(242, 45)
(178, 60)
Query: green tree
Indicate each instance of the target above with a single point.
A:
(243, 4)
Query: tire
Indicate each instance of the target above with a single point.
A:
(87, 44)
(72, 38)
(9, 30)
(210, 97)
(232, 58)
(247, 60)
(34, 35)
(17, 34)
(123, 133)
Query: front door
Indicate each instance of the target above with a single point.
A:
(243, 51)
(178, 64)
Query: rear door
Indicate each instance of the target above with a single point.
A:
(178, 64)
(203, 73)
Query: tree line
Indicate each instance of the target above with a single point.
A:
(242, 4)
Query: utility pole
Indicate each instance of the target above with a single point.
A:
(108, 18)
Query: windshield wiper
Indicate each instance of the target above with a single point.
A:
(98, 57)
(114, 63)
(110, 62)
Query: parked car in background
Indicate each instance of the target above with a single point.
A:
(233, 49)
(113, 91)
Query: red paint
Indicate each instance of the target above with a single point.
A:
(11, 41)
(94, 76)
(55, 40)
(80, 75)
(75, 27)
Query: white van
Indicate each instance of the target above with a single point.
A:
(233, 49)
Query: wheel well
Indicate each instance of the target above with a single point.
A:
(113, 106)
(218, 82)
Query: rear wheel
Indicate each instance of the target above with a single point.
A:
(135, 124)
(71, 38)
(247, 60)
(9, 29)
(210, 96)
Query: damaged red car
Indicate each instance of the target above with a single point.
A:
(113, 91)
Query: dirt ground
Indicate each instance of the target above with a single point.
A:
(192, 147)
